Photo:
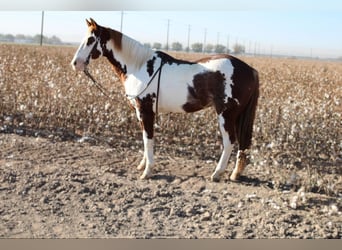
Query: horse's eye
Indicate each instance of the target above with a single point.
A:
(90, 40)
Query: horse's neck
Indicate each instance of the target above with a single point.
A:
(132, 55)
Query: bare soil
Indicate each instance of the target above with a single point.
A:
(51, 188)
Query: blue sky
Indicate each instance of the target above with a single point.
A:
(291, 31)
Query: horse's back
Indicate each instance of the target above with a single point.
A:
(192, 86)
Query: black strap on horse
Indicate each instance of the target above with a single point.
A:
(103, 91)
(97, 85)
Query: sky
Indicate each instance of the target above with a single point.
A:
(304, 31)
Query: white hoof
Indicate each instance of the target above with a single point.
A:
(142, 164)
(146, 175)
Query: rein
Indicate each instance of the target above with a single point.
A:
(96, 84)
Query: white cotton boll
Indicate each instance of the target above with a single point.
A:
(333, 210)
(107, 106)
(293, 202)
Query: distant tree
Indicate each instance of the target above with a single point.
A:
(157, 46)
(209, 48)
(54, 40)
(238, 48)
(177, 46)
(219, 48)
(7, 38)
(20, 37)
(197, 47)
(148, 45)
(36, 39)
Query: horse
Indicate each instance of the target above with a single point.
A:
(156, 82)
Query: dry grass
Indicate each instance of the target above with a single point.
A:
(297, 134)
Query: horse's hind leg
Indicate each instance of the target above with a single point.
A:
(227, 131)
(239, 165)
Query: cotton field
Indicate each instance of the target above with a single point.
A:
(297, 130)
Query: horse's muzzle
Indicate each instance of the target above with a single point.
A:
(78, 65)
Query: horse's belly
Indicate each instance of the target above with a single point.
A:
(172, 99)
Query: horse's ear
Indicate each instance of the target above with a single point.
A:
(88, 23)
(93, 22)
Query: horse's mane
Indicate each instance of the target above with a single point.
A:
(132, 51)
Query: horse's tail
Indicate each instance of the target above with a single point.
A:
(244, 122)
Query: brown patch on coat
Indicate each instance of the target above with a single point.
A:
(116, 37)
(166, 58)
(95, 53)
(241, 115)
(90, 40)
(145, 107)
(208, 89)
(107, 34)
(150, 66)
(230, 115)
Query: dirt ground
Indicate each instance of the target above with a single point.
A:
(74, 189)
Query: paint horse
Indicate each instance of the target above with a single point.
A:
(156, 82)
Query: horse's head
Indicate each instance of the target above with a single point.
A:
(90, 48)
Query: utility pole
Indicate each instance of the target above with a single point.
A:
(228, 44)
(189, 28)
(205, 40)
(41, 29)
(167, 35)
(122, 14)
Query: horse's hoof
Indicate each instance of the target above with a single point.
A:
(215, 178)
(145, 176)
(235, 177)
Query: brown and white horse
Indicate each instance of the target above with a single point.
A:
(156, 82)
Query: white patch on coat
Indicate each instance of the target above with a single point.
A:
(174, 82)
(227, 150)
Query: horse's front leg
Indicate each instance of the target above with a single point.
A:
(146, 117)
(148, 159)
